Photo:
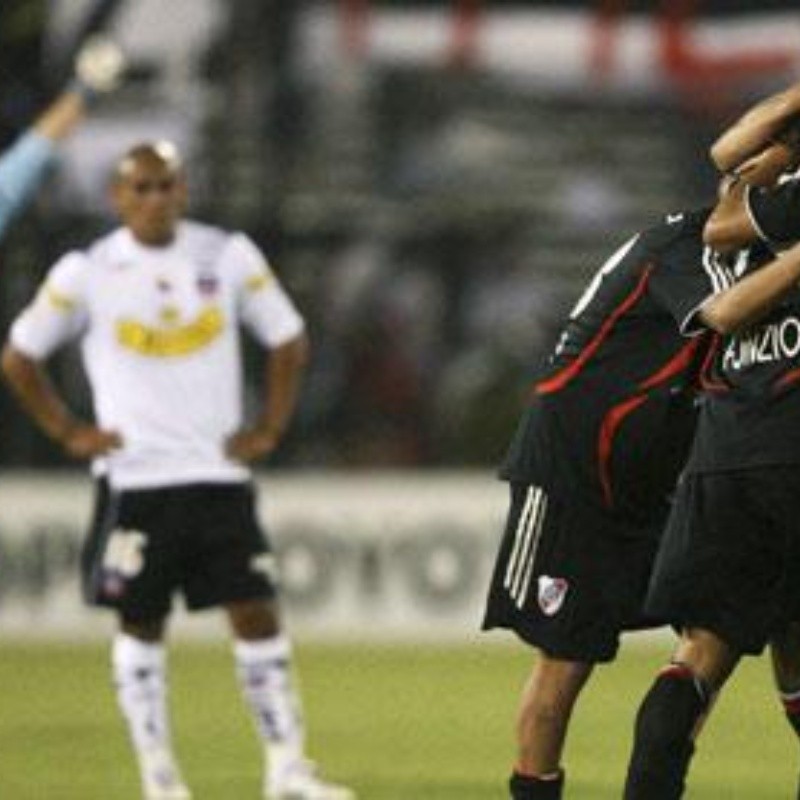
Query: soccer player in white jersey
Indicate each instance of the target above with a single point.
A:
(157, 306)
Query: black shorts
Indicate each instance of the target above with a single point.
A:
(201, 539)
(570, 578)
(730, 558)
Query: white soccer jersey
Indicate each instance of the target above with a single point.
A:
(160, 340)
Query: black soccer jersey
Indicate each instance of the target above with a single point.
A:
(751, 416)
(775, 211)
(612, 413)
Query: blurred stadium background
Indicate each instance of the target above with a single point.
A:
(433, 181)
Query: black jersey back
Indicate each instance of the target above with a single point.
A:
(612, 413)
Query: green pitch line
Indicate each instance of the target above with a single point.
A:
(397, 723)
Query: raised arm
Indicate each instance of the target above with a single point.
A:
(751, 298)
(25, 164)
(98, 69)
(755, 129)
(731, 226)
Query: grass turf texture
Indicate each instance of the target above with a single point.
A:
(396, 723)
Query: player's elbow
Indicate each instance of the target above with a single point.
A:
(723, 155)
(724, 326)
(294, 354)
(719, 317)
(9, 360)
(13, 364)
(720, 235)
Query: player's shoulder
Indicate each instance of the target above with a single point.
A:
(107, 247)
(71, 261)
(677, 229)
(204, 235)
(70, 274)
(209, 245)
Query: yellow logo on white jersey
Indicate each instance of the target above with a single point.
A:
(172, 341)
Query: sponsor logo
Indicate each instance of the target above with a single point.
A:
(172, 341)
(552, 593)
(169, 315)
(764, 345)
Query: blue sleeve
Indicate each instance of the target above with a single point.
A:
(22, 168)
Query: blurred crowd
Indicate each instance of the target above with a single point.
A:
(433, 221)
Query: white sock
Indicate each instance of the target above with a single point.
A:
(140, 680)
(265, 676)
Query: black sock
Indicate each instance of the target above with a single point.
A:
(523, 787)
(663, 745)
(791, 705)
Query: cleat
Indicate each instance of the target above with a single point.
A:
(302, 783)
(175, 792)
(162, 779)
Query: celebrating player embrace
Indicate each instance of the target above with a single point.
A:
(598, 453)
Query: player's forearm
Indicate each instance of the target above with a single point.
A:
(22, 169)
(62, 116)
(24, 166)
(284, 374)
(755, 129)
(751, 298)
(35, 392)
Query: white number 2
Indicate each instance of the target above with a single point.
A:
(125, 552)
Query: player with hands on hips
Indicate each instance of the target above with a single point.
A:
(158, 306)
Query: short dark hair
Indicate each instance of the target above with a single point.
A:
(789, 135)
(162, 151)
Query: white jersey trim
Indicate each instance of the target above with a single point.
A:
(752, 217)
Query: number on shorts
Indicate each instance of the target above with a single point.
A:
(125, 552)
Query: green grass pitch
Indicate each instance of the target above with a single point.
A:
(395, 722)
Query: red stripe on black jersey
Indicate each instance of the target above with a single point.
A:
(678, 364)
(793, 376)
(557, 382)
(708, 383)
(605, 444)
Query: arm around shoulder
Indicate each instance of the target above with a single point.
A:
(747, 301)
(755, 129)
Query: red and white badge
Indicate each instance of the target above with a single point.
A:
(552, 593)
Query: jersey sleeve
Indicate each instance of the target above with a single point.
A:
(686, 277)
(22, 168)
(265, 309)
(775, 211)
(57, 313)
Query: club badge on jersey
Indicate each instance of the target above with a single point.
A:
(207, 285)
(552, 593)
